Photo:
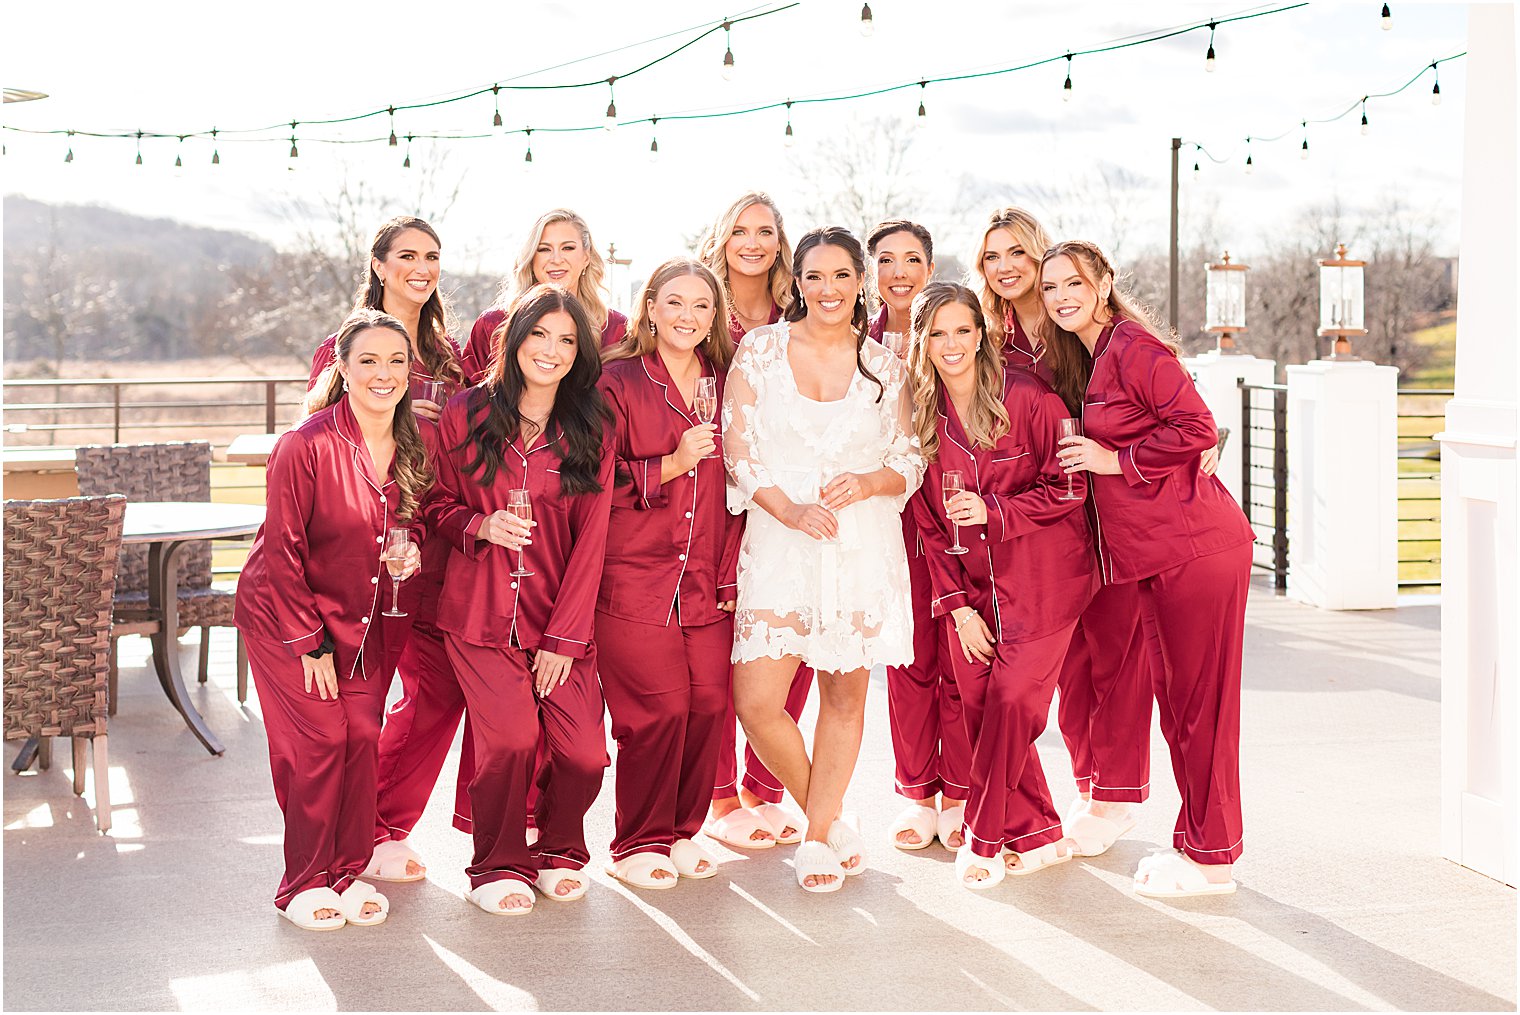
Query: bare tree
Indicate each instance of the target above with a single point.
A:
(862, 175)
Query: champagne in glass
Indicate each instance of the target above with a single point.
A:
(704, 402)
(954, 483)
(896, 342)
(1070, 428)
(398, 543)
(520, 505)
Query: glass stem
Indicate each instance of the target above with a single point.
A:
(395, 594)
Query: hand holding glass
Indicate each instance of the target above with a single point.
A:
(520, 505)
(704, 402)
(1070, 428)
(398, 551)
(954, 484)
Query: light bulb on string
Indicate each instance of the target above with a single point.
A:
(1435, 93)
(611, 122)
(496, 100)
(216, 153)
(1303, 151)
(1250, 162)
(789, 138)
(1208, 60)
(179, 162)
(1366, 128)
(728, 51)
(654, 140)
(139, 147)
(1387, 19)
(392, 110)
(1197, 172)
(1066, 88)
(867, 22)
(923, 114)
(69, 156)
(527, 162)
(406, 163)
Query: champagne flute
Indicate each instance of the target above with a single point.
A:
(427, 390)
(896, 342)
(704, 402)
(1070, 428)
(397, 546)
(520, 505)
(953, 484)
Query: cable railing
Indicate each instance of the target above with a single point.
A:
(1264, 476)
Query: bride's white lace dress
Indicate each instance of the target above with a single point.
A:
(841, 605)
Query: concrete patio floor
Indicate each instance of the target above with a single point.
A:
(1344, 902)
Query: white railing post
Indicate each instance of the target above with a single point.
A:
(1218, 378)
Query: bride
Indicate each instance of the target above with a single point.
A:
(818, 437)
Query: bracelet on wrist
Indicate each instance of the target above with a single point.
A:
(962, 622)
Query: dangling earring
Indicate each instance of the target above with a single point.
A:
(345, 385)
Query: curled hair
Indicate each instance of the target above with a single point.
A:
(987, 422)
(1070, 362)
(713, 249)
(640, 339)
(493, 408)
(836, 236)
(410, 464)
(1029, 234)
(435, 351)
(589, 289)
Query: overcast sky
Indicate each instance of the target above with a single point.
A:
(179, 66)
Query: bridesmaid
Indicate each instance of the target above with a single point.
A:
(404, 268)
(519, 597)
(1169, 529)
(1010, 601)
(664, 618)
(1007, 275)
(558, 251)
(340, 485)
(929, 741)
(748, 250)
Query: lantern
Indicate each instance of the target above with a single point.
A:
(1341, 310)
(1225, 302)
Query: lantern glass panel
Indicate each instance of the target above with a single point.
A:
(1225, 300)
(1340, 298)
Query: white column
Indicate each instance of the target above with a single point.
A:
(1342, 485)
(1218, 378)
(1479, 508)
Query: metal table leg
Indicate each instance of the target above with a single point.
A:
(163, 597)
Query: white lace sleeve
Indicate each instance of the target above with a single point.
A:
(902, 453)
(741, 426)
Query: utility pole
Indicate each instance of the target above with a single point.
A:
(1172, 311)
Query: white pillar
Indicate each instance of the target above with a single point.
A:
(1479, 508)
(1218, 378)
(1342, 485)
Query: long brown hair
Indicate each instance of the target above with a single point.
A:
(987, 422)
(410, 465)
(589, 289)
(1070, 362)
(582, 414)
(640, 340)
(435, 351)
(837, 236)
(1028, 232)
(713, 251)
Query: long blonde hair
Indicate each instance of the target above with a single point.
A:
(713, 250)
(987, 422)
(640, 340)
(410, 464)
(590, 288)
(1070, 362)
(1028, 232)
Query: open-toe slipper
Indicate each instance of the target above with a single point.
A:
(388, 862)
(949, 822)
(1092, 835)
(637, 870)
(688, 856)
(302, 909)
(1078, 806)
(846, 842)
(920, 819)
(779, 819)
(965, 859)
(1174, 876)
(548, 880)
(489, 897)
(815, 858)
(355, 897)
(1036, 859)
(736, 828)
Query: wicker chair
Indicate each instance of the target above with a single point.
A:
(60, 577)
(174, 471)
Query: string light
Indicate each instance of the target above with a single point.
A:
(867, 23)
(1250, 162)
(406, 163)
(1208, 61)
(1435, 93)
(1366, 128)
(179, 163)
(69, 156)
(728, 52)
(654, 140)
(788, 138)
(392, 111)
(528, 155)
(1303, 152)
(496, 100)
(1387, 19)
(216, 155)
(611, 123)
(293, 152)
(1066, 88)
(139, 147)
(923, 114)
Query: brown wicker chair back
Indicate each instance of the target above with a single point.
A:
(176, 470)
